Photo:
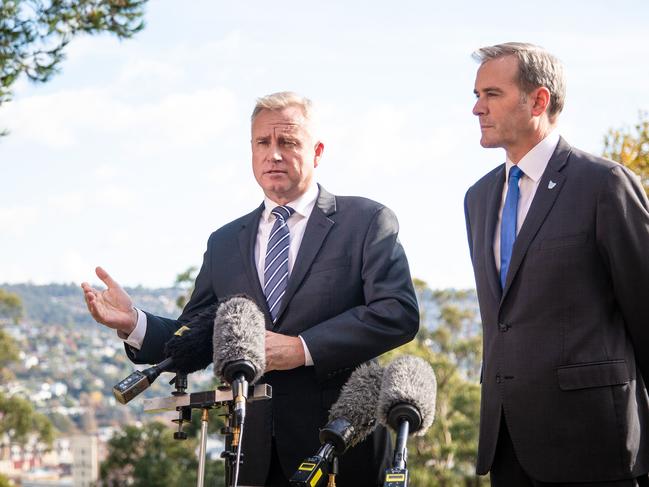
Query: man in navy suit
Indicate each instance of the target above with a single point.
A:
(345, 297)
(559, 242)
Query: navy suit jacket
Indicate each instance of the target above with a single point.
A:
(566, 340)
(350, 296)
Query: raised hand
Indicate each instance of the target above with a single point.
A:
(111, 307)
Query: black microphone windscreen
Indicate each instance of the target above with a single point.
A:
(239, 336)
(408, 381)
(358, 400)
(191, 347)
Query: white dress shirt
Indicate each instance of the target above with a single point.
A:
(303, 207)
(533, 165)
(296, 226)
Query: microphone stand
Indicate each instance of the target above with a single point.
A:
(240, 393)
(323, 466)
(316, 470)
(397, 475)
(401, 418)
(333, 472)
(203, 448)
(222, 397)
(233, 454)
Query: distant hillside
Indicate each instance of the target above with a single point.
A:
(64, 304)
(69, 363)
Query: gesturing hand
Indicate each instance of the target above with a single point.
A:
(111, 307)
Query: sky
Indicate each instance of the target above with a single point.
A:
(139, 149)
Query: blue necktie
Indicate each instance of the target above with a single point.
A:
(276, 262)
(508, 223)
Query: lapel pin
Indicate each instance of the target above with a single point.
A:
(551, 184)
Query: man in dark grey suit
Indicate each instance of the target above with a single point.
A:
(331, 277)
(559, 241)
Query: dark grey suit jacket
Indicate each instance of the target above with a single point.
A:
(566, 341)
(349, 296)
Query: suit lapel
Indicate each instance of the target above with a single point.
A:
(551, 184)
(315, 233)
(494, 199)
(247, 240)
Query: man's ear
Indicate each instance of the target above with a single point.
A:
(319, 149)
(541, 101)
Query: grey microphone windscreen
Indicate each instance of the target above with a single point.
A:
(358, 400)
(408, 381)
(239, 338)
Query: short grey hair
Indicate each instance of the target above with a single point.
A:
(536, 68)
(281, 100)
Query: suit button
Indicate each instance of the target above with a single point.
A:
(498, 379)
(503, 327)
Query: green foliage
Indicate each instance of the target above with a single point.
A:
(630, 147)
(452, 344)
(33, 33)
(4, 482)
(150, 457)
(19, 420)
(17, 416)
(8, 354)
(185, 281)
(10, 306)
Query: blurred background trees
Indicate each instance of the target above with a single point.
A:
(148, 456)
(34, 34)
(19, 422)
(630, 147)
(450, 339)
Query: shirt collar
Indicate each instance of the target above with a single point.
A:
(533, 163)
(302, 205)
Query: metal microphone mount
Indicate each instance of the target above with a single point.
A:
(222, 397)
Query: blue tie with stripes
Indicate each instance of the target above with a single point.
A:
(276, 262)
(509, 222)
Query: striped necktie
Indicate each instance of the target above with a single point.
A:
(509, 222)
(276, 262)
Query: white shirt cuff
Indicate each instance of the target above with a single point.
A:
(308, 361)
(136, 337)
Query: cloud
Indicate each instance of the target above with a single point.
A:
(155, 73)
(115, 196)
(71, 203)
(73, 267)
(16, 221)
(73, 117)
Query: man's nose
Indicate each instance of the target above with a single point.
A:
(479, 107)
(274, 154)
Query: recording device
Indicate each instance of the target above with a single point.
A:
(239, 351)
(351, 419)
(188, 350)
(139, 381)
(191, 349)
(239, 344)
(407, 405)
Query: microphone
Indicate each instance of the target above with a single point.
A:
(239, 344)
(188, 350)
(191, 346)
(351, 419)
(139, 381)
(239, 351)
(407, 405)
